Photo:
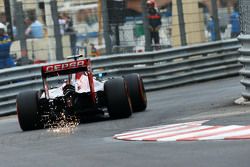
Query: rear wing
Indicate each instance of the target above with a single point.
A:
(65, 68)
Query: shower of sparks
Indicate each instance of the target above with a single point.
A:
(63, 125)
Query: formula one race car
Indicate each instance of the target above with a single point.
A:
(79, 95)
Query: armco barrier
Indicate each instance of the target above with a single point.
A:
(159, 69)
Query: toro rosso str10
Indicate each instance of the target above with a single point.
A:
(79, 95)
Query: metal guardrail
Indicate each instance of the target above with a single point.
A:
(159, 69)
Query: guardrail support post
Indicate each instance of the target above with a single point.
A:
(244, 39)
(245, 60)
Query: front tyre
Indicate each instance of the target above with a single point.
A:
(28, 110)
(118, 100)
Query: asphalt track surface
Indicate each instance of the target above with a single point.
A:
(91, 144)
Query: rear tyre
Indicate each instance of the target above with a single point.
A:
(28, 110)
(118, 100)
(136, 91)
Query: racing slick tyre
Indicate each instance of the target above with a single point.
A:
(118, 100)
(28, 110)
(136, 91)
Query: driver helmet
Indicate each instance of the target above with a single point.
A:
(151, 3)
